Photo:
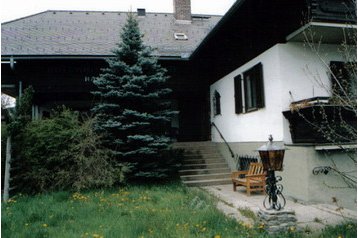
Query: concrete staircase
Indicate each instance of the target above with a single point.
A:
(203, 165)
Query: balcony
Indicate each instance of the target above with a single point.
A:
(317, 121)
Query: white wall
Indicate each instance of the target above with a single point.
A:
(305, 73)
(300, 183)
(289, 67)
(257, 125)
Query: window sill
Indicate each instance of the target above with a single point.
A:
(252, 110)
(249, 110)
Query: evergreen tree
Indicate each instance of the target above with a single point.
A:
(134, 111)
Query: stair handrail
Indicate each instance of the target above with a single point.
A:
(222, 137)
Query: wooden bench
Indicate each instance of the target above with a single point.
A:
(253, 179)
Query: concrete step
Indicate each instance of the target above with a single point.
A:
(193, 143)
(202, 153)
(203, 171)
(193, 146)
(207, 182)
(203, 161)
(202, 158)
(205, 176)
(204, 166)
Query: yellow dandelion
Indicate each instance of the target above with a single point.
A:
(11, 200)
(247, 225)
(340, 236)
(44, 225)
(217, 236)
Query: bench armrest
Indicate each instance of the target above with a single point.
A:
(237, 174)
(256, 176)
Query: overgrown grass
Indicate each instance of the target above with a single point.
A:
(348, 230)
(136, 211)
(247, 212)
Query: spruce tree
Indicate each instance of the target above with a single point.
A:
(134, 111)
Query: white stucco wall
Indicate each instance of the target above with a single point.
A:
(300, 183)
(290, 67)
(257, 125)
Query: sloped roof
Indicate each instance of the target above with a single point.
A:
(94, 33)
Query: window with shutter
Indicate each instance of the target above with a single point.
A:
(254, 88)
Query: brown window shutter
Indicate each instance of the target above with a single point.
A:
(238, 94)
(260, 96)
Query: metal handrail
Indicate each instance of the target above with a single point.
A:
(222, 137)
(246, 160)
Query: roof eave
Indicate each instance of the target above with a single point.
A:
(222, 21)
(78, 57)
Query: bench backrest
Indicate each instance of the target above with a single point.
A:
(256, 169)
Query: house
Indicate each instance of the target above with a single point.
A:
(58, 53)
(234, 77)
(261, 67)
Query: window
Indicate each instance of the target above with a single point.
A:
(343, 80)
(249, 90)
(216, 103)
(253, 88)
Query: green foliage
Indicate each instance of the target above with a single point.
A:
(166, 165)
(62, 152)
(22, 114)
(134, 112)
(16, 121)
(347, 230)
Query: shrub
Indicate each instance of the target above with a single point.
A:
(62, 152)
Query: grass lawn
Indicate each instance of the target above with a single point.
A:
(136, 211)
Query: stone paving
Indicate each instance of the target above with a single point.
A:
(310, 218)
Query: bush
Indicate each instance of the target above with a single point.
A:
(62, 152)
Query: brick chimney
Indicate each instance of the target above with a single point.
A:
(182, 11)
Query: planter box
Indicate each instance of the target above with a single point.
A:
(304, 122)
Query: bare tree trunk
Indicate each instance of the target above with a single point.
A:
(7, 169)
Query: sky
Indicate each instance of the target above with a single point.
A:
(14, 9)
